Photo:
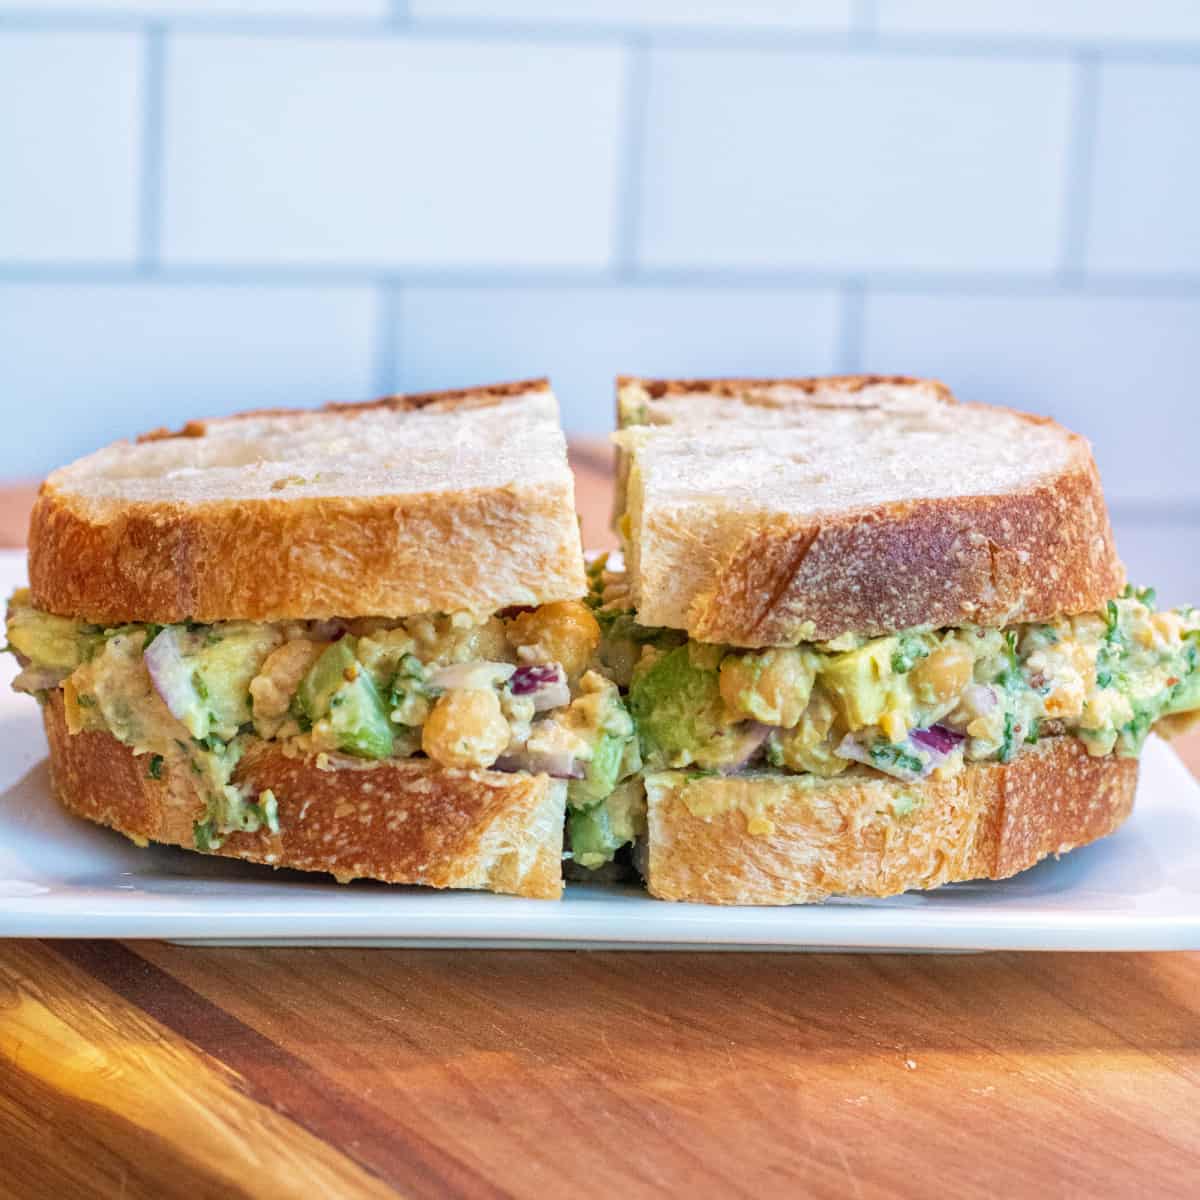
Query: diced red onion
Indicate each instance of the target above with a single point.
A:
(932, 746)
(751, 735)
(850, 747)
(937, 738)
(479, 674)
(559, 765)
(981, 697)
(171, 674)
(546, 685)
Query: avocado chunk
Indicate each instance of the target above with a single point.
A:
(338, 688)
(224, 667)
(678, 708)
(359, 720)
(49, 641)
(602, 772)
(860, 681)
(324, 678)
(593, 839)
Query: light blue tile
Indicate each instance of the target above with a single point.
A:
(1162, 555)
(205, 8)
(391, 150)
(1145, 211)
(853, 162)
(70, 130)
(741, 14)
(583, 337)
(1130, 20)
(1121, 371)
(83, 366)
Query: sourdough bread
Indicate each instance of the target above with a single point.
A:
(397, 820)
(411, 504)
(766, 513)
(793, 839)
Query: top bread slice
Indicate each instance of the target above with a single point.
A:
(411, 504)
(768, 512)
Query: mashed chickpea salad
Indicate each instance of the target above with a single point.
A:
(512, 692)
(582, 692)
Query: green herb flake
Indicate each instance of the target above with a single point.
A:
(909, 652)
(203, 836)
(154, 771)
(886, 754)
(1008, 746)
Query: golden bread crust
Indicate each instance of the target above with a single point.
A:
(852, 836)
(1039, 550)
(273, 557)
(1030, 555)
(400, 821)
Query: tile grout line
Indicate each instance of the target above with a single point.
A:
(635, 114)
(851, 309)
(731, 279)
(861, 35)
(1078, 163)
(150, 199)
(386, 372)
(864, 19)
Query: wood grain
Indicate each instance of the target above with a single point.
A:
(160, 1071)
(104, 1100)
(727, 1075)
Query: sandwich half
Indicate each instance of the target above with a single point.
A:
(872, 639)
(349, 640)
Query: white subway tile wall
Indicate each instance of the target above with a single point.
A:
(84, 364)
(852, 162)
(209, 206)
(1145, 217)
(392, 152)
(70, 147)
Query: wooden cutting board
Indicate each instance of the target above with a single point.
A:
(141, 1069)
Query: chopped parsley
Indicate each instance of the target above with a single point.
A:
(909, 652)
(204, 837)
(1008, 747)
(886, 754)
(154, 771)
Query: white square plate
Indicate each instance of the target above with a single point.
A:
(63, 877)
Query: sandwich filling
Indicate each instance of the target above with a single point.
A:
(911, 705)
(513, 692)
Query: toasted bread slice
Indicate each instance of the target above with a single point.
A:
(398, 820)
(798, 839)
(767, 513)
(411, 504)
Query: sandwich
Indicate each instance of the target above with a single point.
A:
(872, 639)
(350, 640)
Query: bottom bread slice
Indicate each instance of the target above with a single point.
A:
(795, 839)
(398, 820)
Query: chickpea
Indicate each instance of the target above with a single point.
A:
(272, 689)
(465, 729)
(944, 674)
(772, 686)
(809, 747)
(458, 637)
(564, 632)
